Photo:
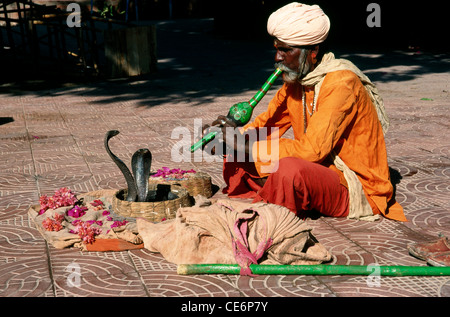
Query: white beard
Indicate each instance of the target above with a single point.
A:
(291, 76)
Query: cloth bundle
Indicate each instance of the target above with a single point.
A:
(233, 232)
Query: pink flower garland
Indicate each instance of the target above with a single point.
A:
(118, 223)
(85, 231)
(77, 211)
(62, 197)
(97, 204)
(174, 173)
(54, 224)
(65, 197)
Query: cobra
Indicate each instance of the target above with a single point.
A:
(140, 165)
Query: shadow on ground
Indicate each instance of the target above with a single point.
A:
(196, 65)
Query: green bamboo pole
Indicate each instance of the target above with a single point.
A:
(189, 269)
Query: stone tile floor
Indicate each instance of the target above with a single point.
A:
(54, 137)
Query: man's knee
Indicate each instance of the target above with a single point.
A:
(291, 169)
(292, 165)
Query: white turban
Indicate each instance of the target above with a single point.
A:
(298, 24)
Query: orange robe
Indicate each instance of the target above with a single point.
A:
(345, 121)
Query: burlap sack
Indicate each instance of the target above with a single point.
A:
(232, 232)
(65, 239)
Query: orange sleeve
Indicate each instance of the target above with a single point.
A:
(276, 115)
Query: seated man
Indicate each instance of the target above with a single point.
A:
(337, 162)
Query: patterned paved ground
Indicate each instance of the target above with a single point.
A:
(55, 139)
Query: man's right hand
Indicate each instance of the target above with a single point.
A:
(219, 125)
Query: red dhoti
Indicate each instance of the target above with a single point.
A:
(297, 184)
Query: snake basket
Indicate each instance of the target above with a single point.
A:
(196, 183)
(163, 203)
